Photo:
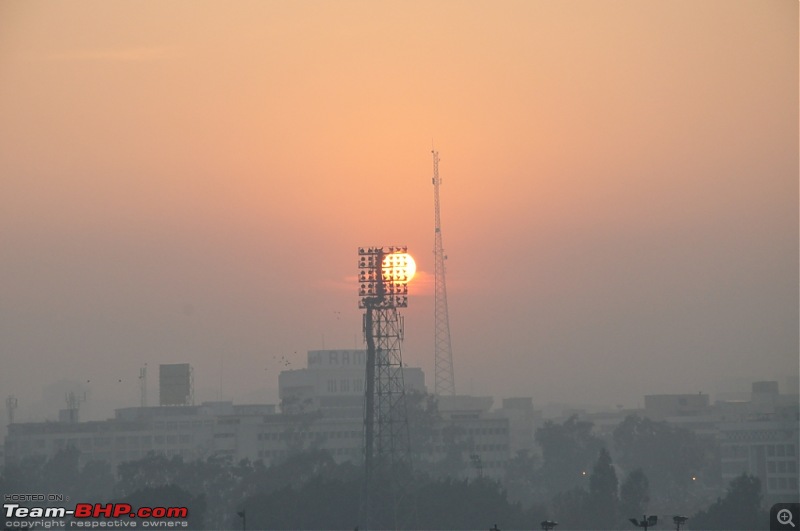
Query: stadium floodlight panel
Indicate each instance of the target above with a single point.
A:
(383, 276)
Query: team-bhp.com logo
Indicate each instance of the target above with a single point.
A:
(89, 515)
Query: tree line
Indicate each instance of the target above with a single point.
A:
(579, 479)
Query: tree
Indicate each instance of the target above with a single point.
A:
(522, 477)
(213, 482)
(568, 451)
(570, 509)
(670, 456)
(739, 509)
(59, 474)
(603, 493)
(456, 443)
(169, 496)
(634, 495)
(424, 422)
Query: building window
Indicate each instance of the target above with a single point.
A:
(792, 466)
(771, 467)
(331, 386)
(333, 358)
(771, 450)
(358, 386)
(345, 358)
(781, 467)
(781, 450)
(790, 450)
(344, 386)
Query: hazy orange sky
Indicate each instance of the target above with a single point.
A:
(190, 181)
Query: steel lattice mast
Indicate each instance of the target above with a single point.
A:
(383, 279)
(443, 352)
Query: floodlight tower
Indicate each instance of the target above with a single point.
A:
(384, 273)
(444, 382)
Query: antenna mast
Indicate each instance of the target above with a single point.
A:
(143, 386)
(443, 353)
(11, 405)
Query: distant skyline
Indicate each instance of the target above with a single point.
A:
(190, 182)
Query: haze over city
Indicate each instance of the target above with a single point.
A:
(189, 183)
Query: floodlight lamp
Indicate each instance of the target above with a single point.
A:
(398, 267)
(384, 273)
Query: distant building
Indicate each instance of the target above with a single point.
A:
(175, 385)
(761, 437)
(334, 382)
(522, 419)
(765, 403)
(326, 401)
(662, 407)
(766, 449)
(187, 431)
(481, 435)
(321, 408)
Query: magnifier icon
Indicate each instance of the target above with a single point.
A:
(785, 517)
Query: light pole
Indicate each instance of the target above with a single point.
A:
(645, 522)
(548, 525)
(679, 521)
(243, 515)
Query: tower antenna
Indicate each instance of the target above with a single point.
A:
(143, 386)
(11, 405)
(443, 352)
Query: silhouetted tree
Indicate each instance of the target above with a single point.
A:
(669, 455)
(634, 495)
(214, 480)
(169, 496)
(24, 475)
(568, 450)
(62, 471)
(424, 421)
(96, 481)
(522, 478)
(570, 509)
(425, 503)
(739, 509)
(60, 474)
(456, 447)
(603, 493)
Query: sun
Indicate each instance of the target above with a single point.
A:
(398, 267)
